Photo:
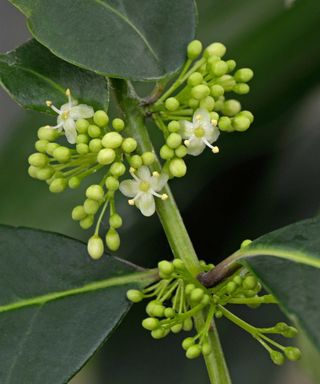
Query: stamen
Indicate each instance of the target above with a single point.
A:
(132, 201)
(187, 143)
(55, 126)
(155, 174)
(49, 103)
(68, 93)
(214, 149)
(164, 196)
(214, 122)
(132, 173)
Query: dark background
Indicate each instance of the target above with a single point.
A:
(262, 179)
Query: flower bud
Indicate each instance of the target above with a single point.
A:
(216, 49)
(78, 213)
(62, 154)
(188, 324)
(165, 267)
(241, 123)
(106, 156)
(193, 352)
(150, 323)
(217, 91)
(207, 103)
(181, 151)
(196, 295)
(82, 148)
(174, 126)
(129, 145)
(148, 158)
(231, 107)
(44, 173)
(95, 145)
(231, 65)
(245, 243)
(74, 182)
(247, 114)
(159, 333)
(135, 161)
(118, 124)
(195, 78)
(176, 328)
(193, 103)
(292, 353)
(48, 133)
(249, 282)
(277, 357)
(206, 349)
(178, 264)
(94, 131)
(112, 183)
(189, 288)
(112, 140)
(194, 49)
(95, 247)
(33, 171)
(82, 139)
(87, 222)
(241, 88)
(219, 68)
(38, 160)
(117, 169)
(58, 185)
(115, 221)
(231, 287)
(90, 206)
(100, 118)
(200, 91)
(82, 125)
(95, 192)
(41, 145)
(169, 312)
(227, 82)
(113, 240)
(166, 153)
(177, 167)
(187, 343)
(243, 75)
(172, 104)
(174, 140)
(134, 295)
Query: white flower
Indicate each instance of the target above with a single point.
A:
(143, 188)
(200, 133)
(68, 114)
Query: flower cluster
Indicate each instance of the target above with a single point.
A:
(193, 111)
(178, 297)
(97, 148)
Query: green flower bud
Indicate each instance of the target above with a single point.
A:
(219, 104)
(135, 161)
(115, 221)
(196, 295)
(193, 351)
(118, 124)
(94, 131)
(62, 154)
(113, 239)
(41, 145)
(134, 295)
(219, 68)
(178, 264)
(90, 206)
(95, 145)
(250, 293)
(166, 153)
(33, 171)
(148, 158)
(82, 139)
(48, 133)
(188, 324)
(38, 160)
(207, 103)
(231, 65)
(156, 309)
(231, 287)
(174, 126)
(194, 49)
(195, 78)
(189, 288)
(158, 333)
(247, 114)
(292, 353)
(150, 323)
(169, 312)
(178, 167)
(165, 267)
(44, 173)
(187, 343)
(117, 169)
(240, 123)
(181, 151)
(277, 357)
(87, 222)
(78, 213)
(100, 118)
(129, 145)
(227, 82)
(176, 328)
(245, 243)
(58, 185)
(205, 300)
(206, 349)
(112, 140)
(249, 282)
(241, 88)
(51, 147)
(193, 103)
(200, 91)
(95, 192)
(218, 314)
(216, 49)
(82, 125)
(237, 279)
(290, 332)
(82, 148)
(174, 140)
(106, 156)
(112, 183)
(214, 116)
(243, 75)
(95, 247)
(231, 107)
(172, 104)
(74, 182)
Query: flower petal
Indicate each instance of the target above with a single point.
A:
(187, 129)
(146, 204)
(201, 117)
(196, 146)
(129, 188)
(70, 130)
(212, 134)
(81, 111)
(157, 183)
(144, 173)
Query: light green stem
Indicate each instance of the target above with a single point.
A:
(172, 223)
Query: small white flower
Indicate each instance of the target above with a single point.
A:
(200, 133)
(143, 188)
(68, 114)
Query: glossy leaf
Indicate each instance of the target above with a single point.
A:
(140, 40)
(288, 263)
(56, 305)
(31, 74)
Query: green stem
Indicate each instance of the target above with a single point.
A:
(172, 223)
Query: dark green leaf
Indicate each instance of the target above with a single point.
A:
(31, 74)
(56, 305)
(139, 40)
(288, 263)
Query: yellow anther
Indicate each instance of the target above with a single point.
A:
(164, 196)
(68, 92)
(187, 143)
(156, 174)
(131, 202)
(48, 126)
(49, 103)
(198, 117)
(215, 150)
(65, 115)
(214, 122)
(132, 170)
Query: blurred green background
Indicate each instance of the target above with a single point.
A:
(262, 179)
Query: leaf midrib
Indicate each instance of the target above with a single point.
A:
(138, 278)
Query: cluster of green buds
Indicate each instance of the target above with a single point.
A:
(179, 296)
(95, 146)
(193, 111)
